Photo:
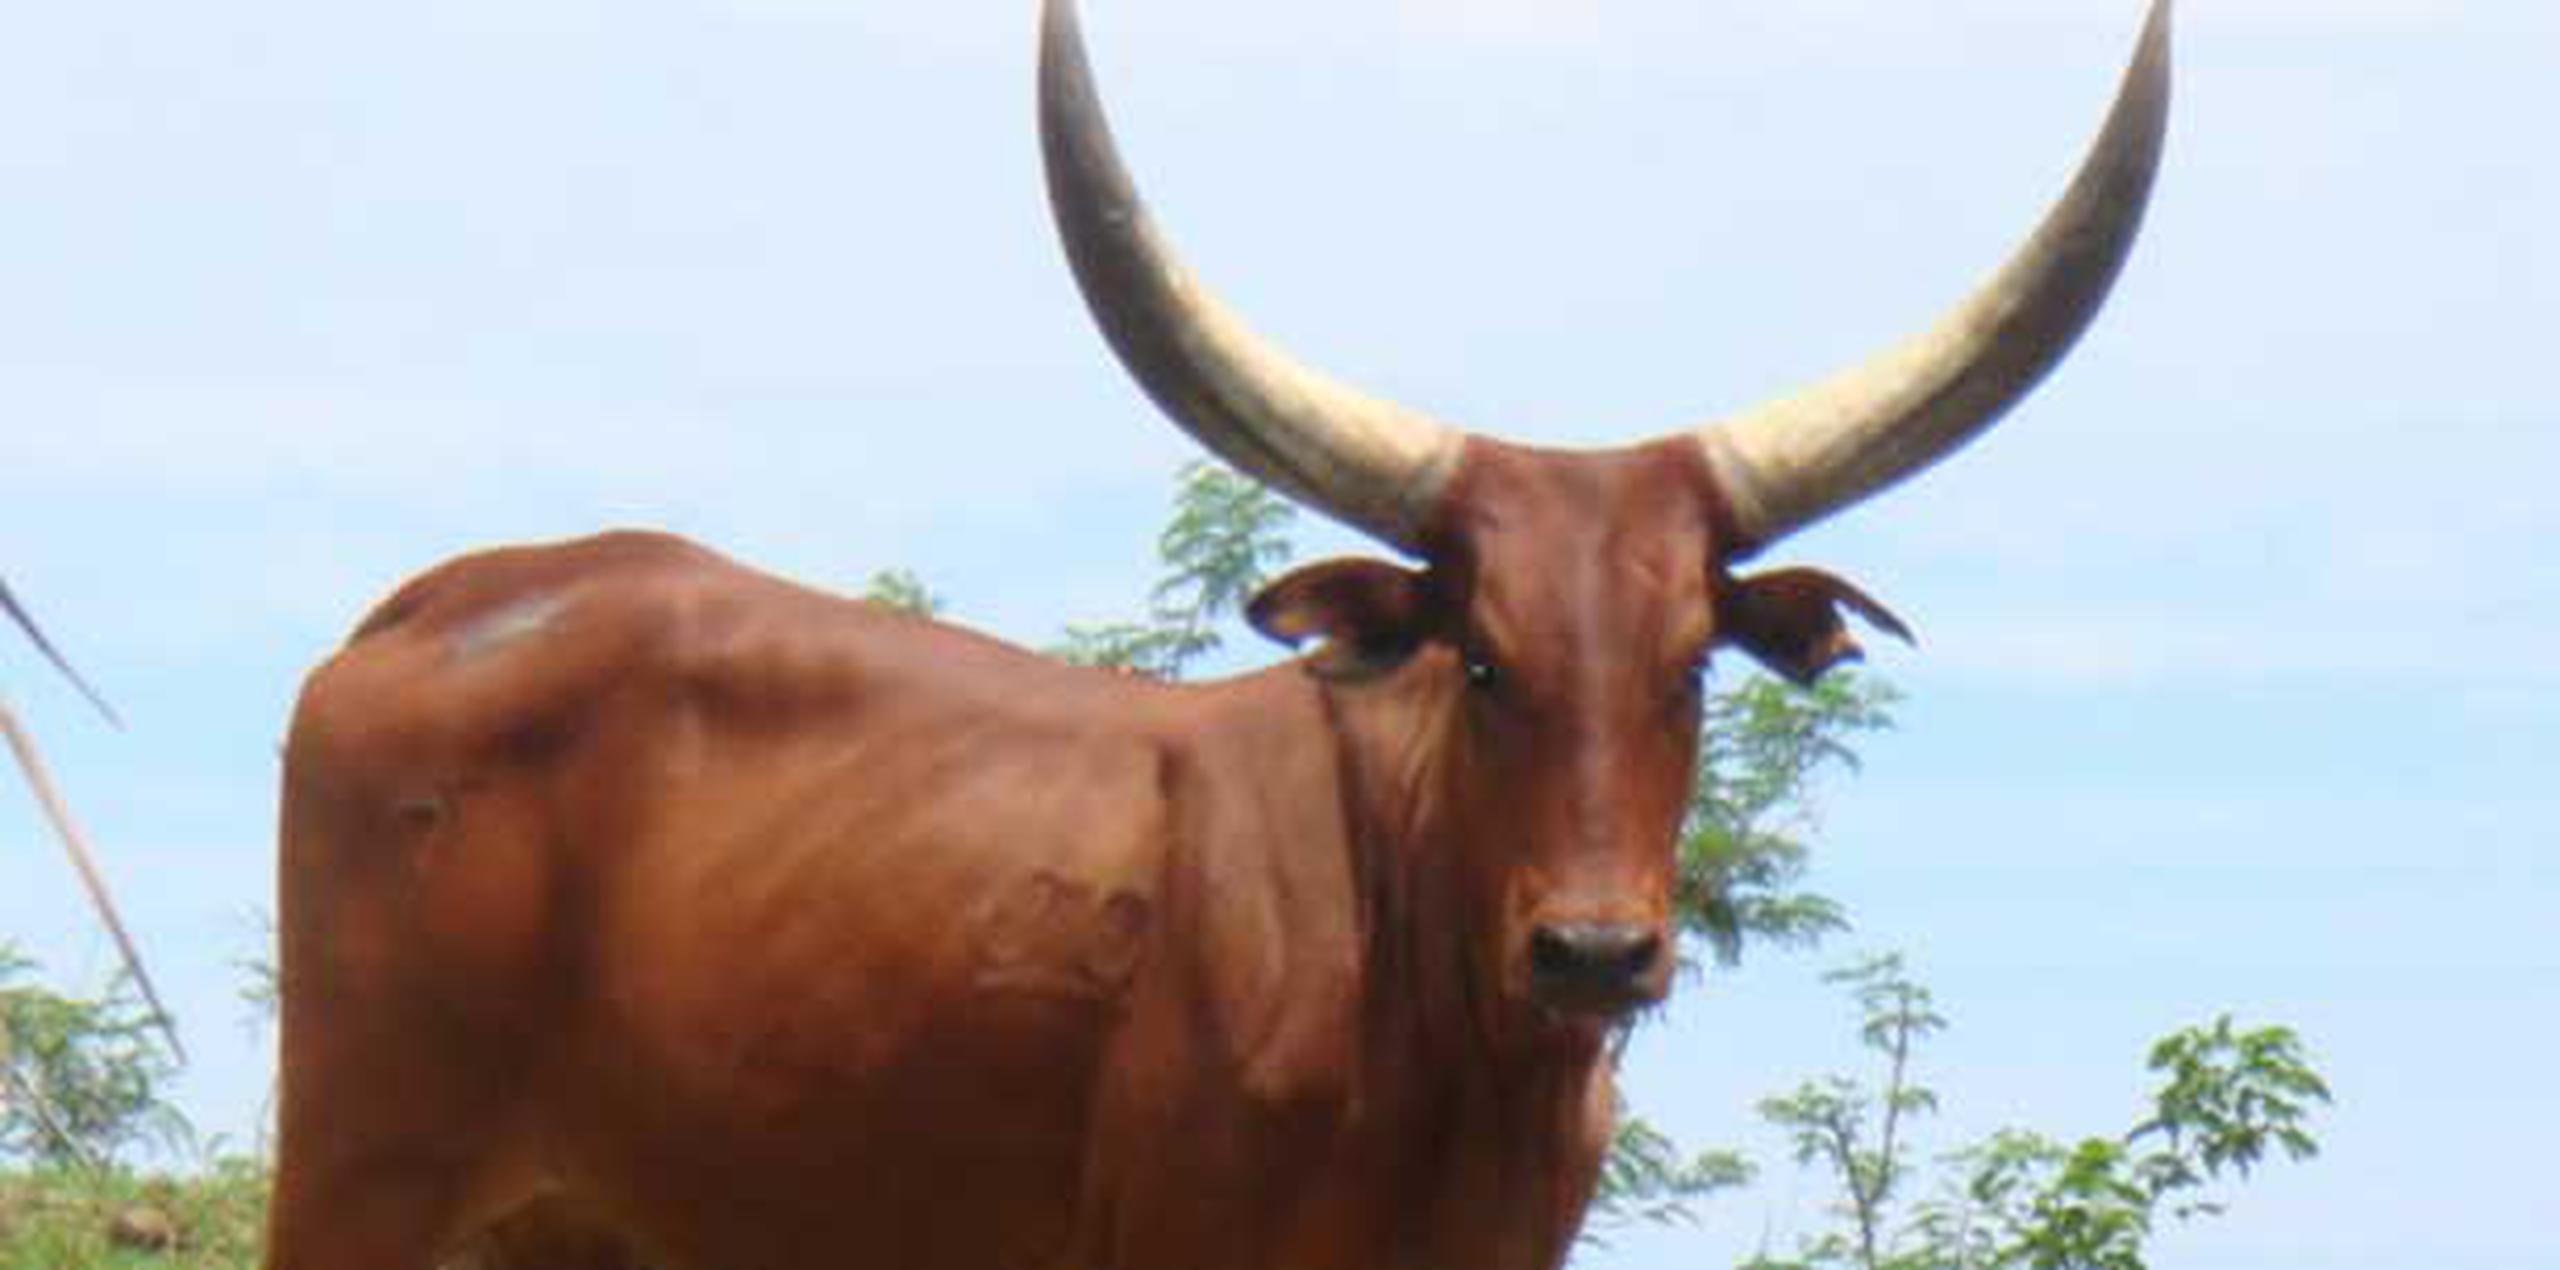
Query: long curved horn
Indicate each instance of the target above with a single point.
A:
(1370, 463)
(1795, 460)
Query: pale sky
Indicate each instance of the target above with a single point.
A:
(2235, 687)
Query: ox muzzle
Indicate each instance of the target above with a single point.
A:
(1598, 968)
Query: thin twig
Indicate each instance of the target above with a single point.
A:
(31, 763)
(26, 622)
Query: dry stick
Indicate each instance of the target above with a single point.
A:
(32, 764)
(18, 613)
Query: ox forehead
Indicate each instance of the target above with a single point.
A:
(1611, 562)
(1607, 560)
(640, 908)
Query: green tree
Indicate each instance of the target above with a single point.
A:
(902, 590)
(1647, 1178)
(81, 1080)
(1226, 535)
(1766, 746)
(1855, 1133)
(2019, 1200)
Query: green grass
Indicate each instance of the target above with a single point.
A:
(53, 1219)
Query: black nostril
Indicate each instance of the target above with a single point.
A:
(1642, 954)
(1551, 954)
(1593, 954)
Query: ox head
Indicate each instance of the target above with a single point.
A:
(1566, 603)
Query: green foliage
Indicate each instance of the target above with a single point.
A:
(80, 1079)
(2227, 1097)
(1646, 1177)
(902, 590)
(1743, 852)
(1742, 861)
(1225, 536)
(1828, 1119)
(262, 982)
(2019, 1200)
(211, 1219)
(1138, 648)
(84, 1086)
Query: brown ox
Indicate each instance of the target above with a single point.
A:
(627, 890)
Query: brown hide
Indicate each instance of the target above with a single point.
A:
(625, 889)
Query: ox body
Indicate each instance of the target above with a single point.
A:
(639, 906)
(763, 922)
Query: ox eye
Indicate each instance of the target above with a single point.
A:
(1482, 675)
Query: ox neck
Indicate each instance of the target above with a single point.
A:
(1469, 1135)
(1424, 932)
(1517, 1109)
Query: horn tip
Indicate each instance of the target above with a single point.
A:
(1059, 21)
(2157, 29)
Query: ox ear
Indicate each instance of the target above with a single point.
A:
(1789, 619)
(1370, 614)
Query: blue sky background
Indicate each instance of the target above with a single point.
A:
(2236, 687)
